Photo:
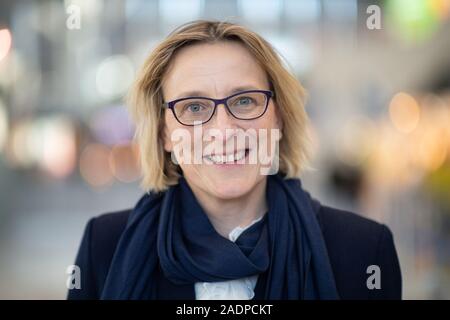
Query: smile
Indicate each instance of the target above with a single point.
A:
(228, 158)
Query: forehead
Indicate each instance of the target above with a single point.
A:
(214, 69)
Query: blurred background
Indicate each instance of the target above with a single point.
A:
(378, 78)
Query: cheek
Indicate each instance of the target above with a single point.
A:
(170, 125)
(274, 116)
(269, 137)
(268, 121)
(169, 120)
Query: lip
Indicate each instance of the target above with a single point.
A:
(226, 154)
(234, 164)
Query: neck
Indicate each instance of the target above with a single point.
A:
(227, 214)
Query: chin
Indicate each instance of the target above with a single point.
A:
(230, 184)
(231, 189)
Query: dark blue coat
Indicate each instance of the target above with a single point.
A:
(353, 244)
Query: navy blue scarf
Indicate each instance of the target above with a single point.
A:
(172, 230)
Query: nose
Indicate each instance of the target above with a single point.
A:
(222, 119)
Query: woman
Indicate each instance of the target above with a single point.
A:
(221, 219)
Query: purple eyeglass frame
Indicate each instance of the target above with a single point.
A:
(170, 105)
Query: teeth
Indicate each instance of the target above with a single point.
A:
(227, 158)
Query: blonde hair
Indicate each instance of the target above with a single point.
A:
(145, 100)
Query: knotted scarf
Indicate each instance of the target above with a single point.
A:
(170, 230)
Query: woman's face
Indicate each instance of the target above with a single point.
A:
(218, 70)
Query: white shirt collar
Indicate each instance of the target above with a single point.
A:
(236, 232)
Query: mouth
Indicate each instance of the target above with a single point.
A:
(232, 158)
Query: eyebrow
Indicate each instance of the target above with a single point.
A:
(197, 93)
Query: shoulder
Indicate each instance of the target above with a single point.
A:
(355, 244)
(108, 226)
(99, 241)
(346, 227)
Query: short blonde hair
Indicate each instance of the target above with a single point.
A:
(145, 100)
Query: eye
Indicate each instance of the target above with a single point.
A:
(244, 101)
(194, 107)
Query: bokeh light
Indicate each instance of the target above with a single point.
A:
(404, 112)
(58, 154)
(112, 125)
(124, 162)
(114, 76)
(3, 126)
(94, 165)
(48, 143)
(432, 148)
(416, 20)
(18, 152)
(5, 43)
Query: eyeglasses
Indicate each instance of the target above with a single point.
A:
(244, 105)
